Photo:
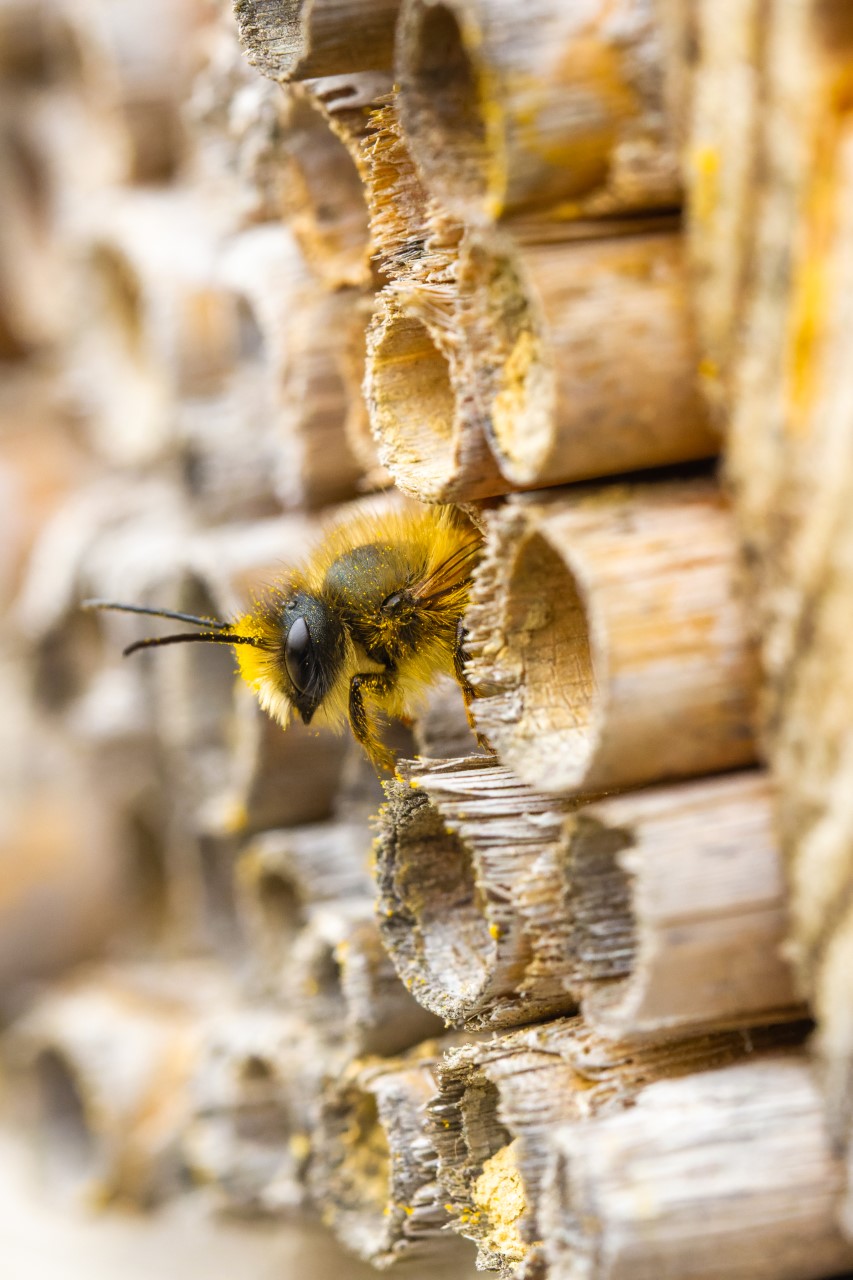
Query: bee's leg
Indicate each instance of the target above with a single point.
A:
(364, 731)
(460, 657)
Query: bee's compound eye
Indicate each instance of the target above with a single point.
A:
(299, 655)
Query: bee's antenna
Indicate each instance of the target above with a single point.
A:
(189, 637)
(155, 613)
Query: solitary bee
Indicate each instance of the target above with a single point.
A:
(360, 631)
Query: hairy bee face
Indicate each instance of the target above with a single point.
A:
(312, 650)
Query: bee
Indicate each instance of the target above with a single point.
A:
(360, 631)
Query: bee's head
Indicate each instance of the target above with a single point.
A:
(300, 656)
(290, 648)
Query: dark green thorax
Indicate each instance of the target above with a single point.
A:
(371, 588)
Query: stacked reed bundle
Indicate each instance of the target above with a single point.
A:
(768, 243)
(518, 190)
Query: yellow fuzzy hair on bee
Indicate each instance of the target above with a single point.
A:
(361, 630)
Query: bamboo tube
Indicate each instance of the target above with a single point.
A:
(373, 1167)
(254, 1099)
(458, 839)
(527, 348)
(499, 1100)
(679, 909)
(108, 1058)
(592, 356)
(622, 600)
(340, 975)
(428, 433)
(510, 110)
(302, 39)
(722, 1173)
(281, 874)
(305, 334)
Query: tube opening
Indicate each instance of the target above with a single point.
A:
(281, 908)
(548, 630)
(120, 295)
(413, 404)
(324, 198)
(520, 418)
(70, 1146)
(602, 901)
(444, 106)
(454, 949)
(368, 1157)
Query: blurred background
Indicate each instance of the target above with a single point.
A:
(175, 388)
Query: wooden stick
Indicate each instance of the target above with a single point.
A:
(726, 1172)
(458, 839)
(373, 1172)
(511, 110)
(606, 640)
(582, 356)
(341, 976)
(679, 909)
(254, 1098)
(499, 1100)
(300, 39)
(108, 1058)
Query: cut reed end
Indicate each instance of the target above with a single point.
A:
(412, 404)
(542, 713)
(447, 114)
(432, 919)
(75, 1163)
(322, 192)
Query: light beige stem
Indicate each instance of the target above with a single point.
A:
(108, 1058)
(303, 333)
(679, 908)
(428, 433)
(255, 1094)
(282, 874)
(373, 1172)
(301, 39)
(514, 108)
(459, 839)
(499, 1100)
(607, 641)
(591, 352)
(323, 173)
(723, 1173)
